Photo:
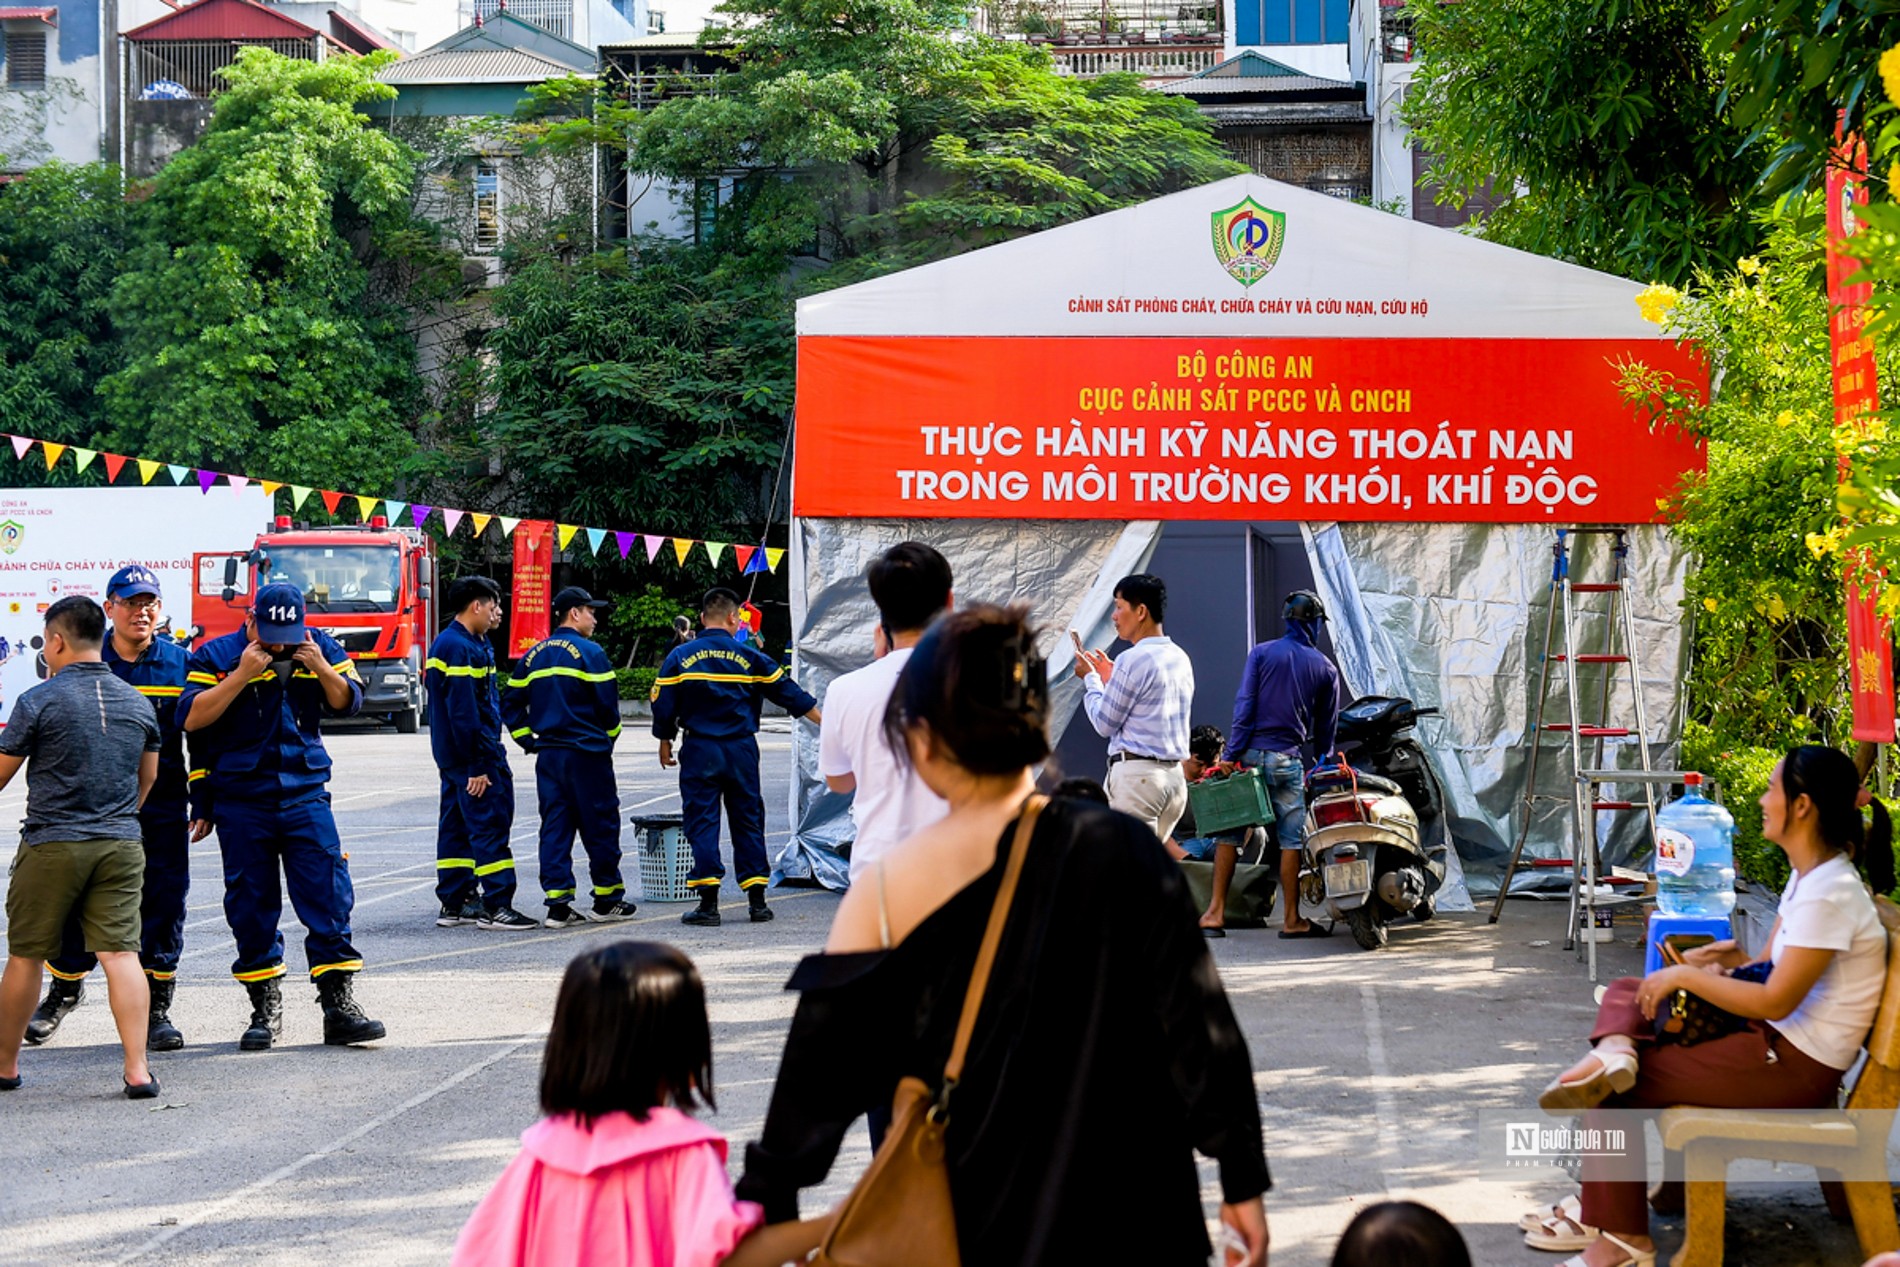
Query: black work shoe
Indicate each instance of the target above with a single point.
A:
(755, 905)
(702, 917)
(608, 912)
(61, 998)
(505, 919)
(457, 914)
(563, 916)
(267, 1015)
(160, 1033)
(344, 1024)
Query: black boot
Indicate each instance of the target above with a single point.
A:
(343, 1021)
(160, 1033)
(61, 997)
(707, 915)
(755, 903)
(267, 1015)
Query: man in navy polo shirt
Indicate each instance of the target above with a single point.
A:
(168, 821)
(252, 703)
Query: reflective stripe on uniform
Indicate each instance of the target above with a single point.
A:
(67, 976)
(609, 890)
(449, 864)
(700, 884)
(347, 965)
(195, 775)
(614, 733)
(562, 671)
(523, 733)
(201, 678)
(750, 679)
(754, 882)
(163, 692)
(262, 974)
(506, 864)
(156, 975)
(347, 668)
(558, 894)
(459, 670)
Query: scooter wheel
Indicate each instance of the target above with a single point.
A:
(1426, 908)
(1367, 929)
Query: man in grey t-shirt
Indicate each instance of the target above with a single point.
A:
(90, 745)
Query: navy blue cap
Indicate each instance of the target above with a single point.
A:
(574, 596)
(128, 581)
(279, 614)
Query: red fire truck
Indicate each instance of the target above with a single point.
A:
(369, 586)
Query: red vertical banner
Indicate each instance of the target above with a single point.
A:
(1856, 399)
(533, 588)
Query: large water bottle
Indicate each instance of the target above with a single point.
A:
(1695, 855)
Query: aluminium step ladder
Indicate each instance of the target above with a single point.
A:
(1587, 739)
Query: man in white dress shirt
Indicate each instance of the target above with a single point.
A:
(1140, 703)
(910, 583)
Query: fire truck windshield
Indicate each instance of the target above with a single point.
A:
(338, 578)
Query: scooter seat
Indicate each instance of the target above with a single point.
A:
(1334, 779)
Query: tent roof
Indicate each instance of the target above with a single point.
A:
(1164, 250)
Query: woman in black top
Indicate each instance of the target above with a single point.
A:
(1105, 1051)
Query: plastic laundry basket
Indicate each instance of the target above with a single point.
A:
(665, 858)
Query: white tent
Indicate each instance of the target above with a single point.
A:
(1425, 404)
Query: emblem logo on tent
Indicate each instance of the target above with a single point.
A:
(1247, 240)
(12, 533)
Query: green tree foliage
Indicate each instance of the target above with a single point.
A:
(1601, 124)
(256, 335)
(62, 237)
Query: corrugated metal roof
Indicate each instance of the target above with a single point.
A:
(475, 66)
(657, 40)
(48, 16)
(223, 20)
(1279, 85)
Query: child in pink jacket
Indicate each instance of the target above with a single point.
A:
(617, 1174)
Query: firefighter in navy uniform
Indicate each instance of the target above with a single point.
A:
(561, 704)
(478, 790)
(711, 688)
(168, 823)
(252, 703)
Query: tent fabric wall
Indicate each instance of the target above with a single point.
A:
(1066, 570)
(1453, 616)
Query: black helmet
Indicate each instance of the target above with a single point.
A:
(1303, 605)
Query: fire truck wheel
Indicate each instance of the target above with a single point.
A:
(408, 721)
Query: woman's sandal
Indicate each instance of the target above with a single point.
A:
(1571, 1207)
(1562, 1231)
(1637, 1257)
(1617, 1073)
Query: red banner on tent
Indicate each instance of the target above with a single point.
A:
(533, 588)
(1856, 399)
(1468, 430)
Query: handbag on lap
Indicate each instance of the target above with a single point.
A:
(1689, 1019)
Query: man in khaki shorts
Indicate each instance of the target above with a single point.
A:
(90, 745)
(1141, 703)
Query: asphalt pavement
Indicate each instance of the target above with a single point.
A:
(1371, 1067)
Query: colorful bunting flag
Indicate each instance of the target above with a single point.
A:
(772, 557)
(595, 536)
(682, 546)
(508, 526)
(177, 473)
(20, 445)
(330, 500)
(238, 482)
(653, 545)
(450, 518)
(420, 514)
(147, 470)
(298, 496)
(364, 505)
(536, 529)
(712, 550)
(625, 541)
(270, 487)
(742, 555)
(52, 452)
(564, 533)
(206, 479)
(394, 508)
(757, 562)
(115, 463)
(82, 458)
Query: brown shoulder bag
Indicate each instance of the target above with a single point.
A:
(899, 1213)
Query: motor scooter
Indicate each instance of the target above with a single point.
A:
(1375, 839)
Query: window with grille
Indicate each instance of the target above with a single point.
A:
(487, 207)
(26, 59)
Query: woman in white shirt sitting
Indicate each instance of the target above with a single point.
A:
(1806, 1022)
